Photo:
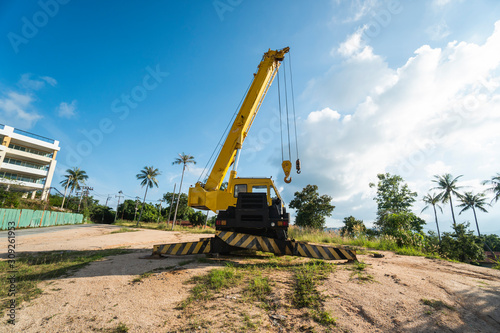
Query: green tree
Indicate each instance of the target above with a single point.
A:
(433, 200)
(461, 244)
(493, 241)
(197, 218)
(183, 210)
(311, 207)
(73, 178)
(148, 176)
(448, 186)
(495, 187)
(393, 197)
(352, 227)
(9, 199)
(101, 214)
(472, 201)
(183, 159)
(401, 223)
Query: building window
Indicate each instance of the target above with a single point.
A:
(13, 176)
(26, 164)
(30, 150)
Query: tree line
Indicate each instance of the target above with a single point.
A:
(395, 219)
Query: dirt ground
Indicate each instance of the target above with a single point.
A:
(398, 293)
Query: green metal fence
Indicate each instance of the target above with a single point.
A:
(27, 218)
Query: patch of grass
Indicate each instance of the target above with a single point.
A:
(383, 243)
(306, 294)
(142, 276)
(358, 270)
(411, 251)
(32, 269)
(323, 318)
(123, 230)
(204, 260)
(149, 273)
(186, 262)
(121, 328)
(248, 324)
(166, 227)
(216, 280)
(258, 287)
(437, 304)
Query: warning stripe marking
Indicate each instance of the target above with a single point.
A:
(183, 248)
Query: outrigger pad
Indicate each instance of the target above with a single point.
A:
(228, 241)
(286, 247)
(202, 246)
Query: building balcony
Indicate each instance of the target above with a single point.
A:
(28, 156)
(8, 167)
(22, 184)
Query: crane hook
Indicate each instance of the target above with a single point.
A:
(297, 166)
(287, 167)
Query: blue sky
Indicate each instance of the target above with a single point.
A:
(409, 88)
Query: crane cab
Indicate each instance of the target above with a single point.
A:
(258, 209)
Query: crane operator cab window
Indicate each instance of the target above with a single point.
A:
(259, 189)
(239, 188)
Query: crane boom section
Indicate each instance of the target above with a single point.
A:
(267, 69)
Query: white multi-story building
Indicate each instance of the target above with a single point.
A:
(27, 161)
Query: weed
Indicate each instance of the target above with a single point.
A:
(186, 262)
(437, 304)
(204, 260)
(143, 276)
(121, 328)
(358, 269)
(248, 322)
(214, 281)
(323, 318)
(165, 226)
(123, 230)
(259, 287)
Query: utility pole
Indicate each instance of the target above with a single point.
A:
(159, 210)
(85, 190)
(137, 200)
(171, 203)
(118, 204)
(80, 201)
(206, 218)
(106, 205)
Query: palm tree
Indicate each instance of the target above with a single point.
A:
(495, 186)
(470, 200)
(74, 178)
(184, 160)
(434, 200)
(449, 187)
(148, 176)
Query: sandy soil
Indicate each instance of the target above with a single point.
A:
(103, 295)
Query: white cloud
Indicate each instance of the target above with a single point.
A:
(16, 110)
(438, 31)
(27, 82)
(66, 110)
(49, 80)
(436, 113)
(360, 9)
(362, 74)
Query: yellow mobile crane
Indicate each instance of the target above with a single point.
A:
(250, 211)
